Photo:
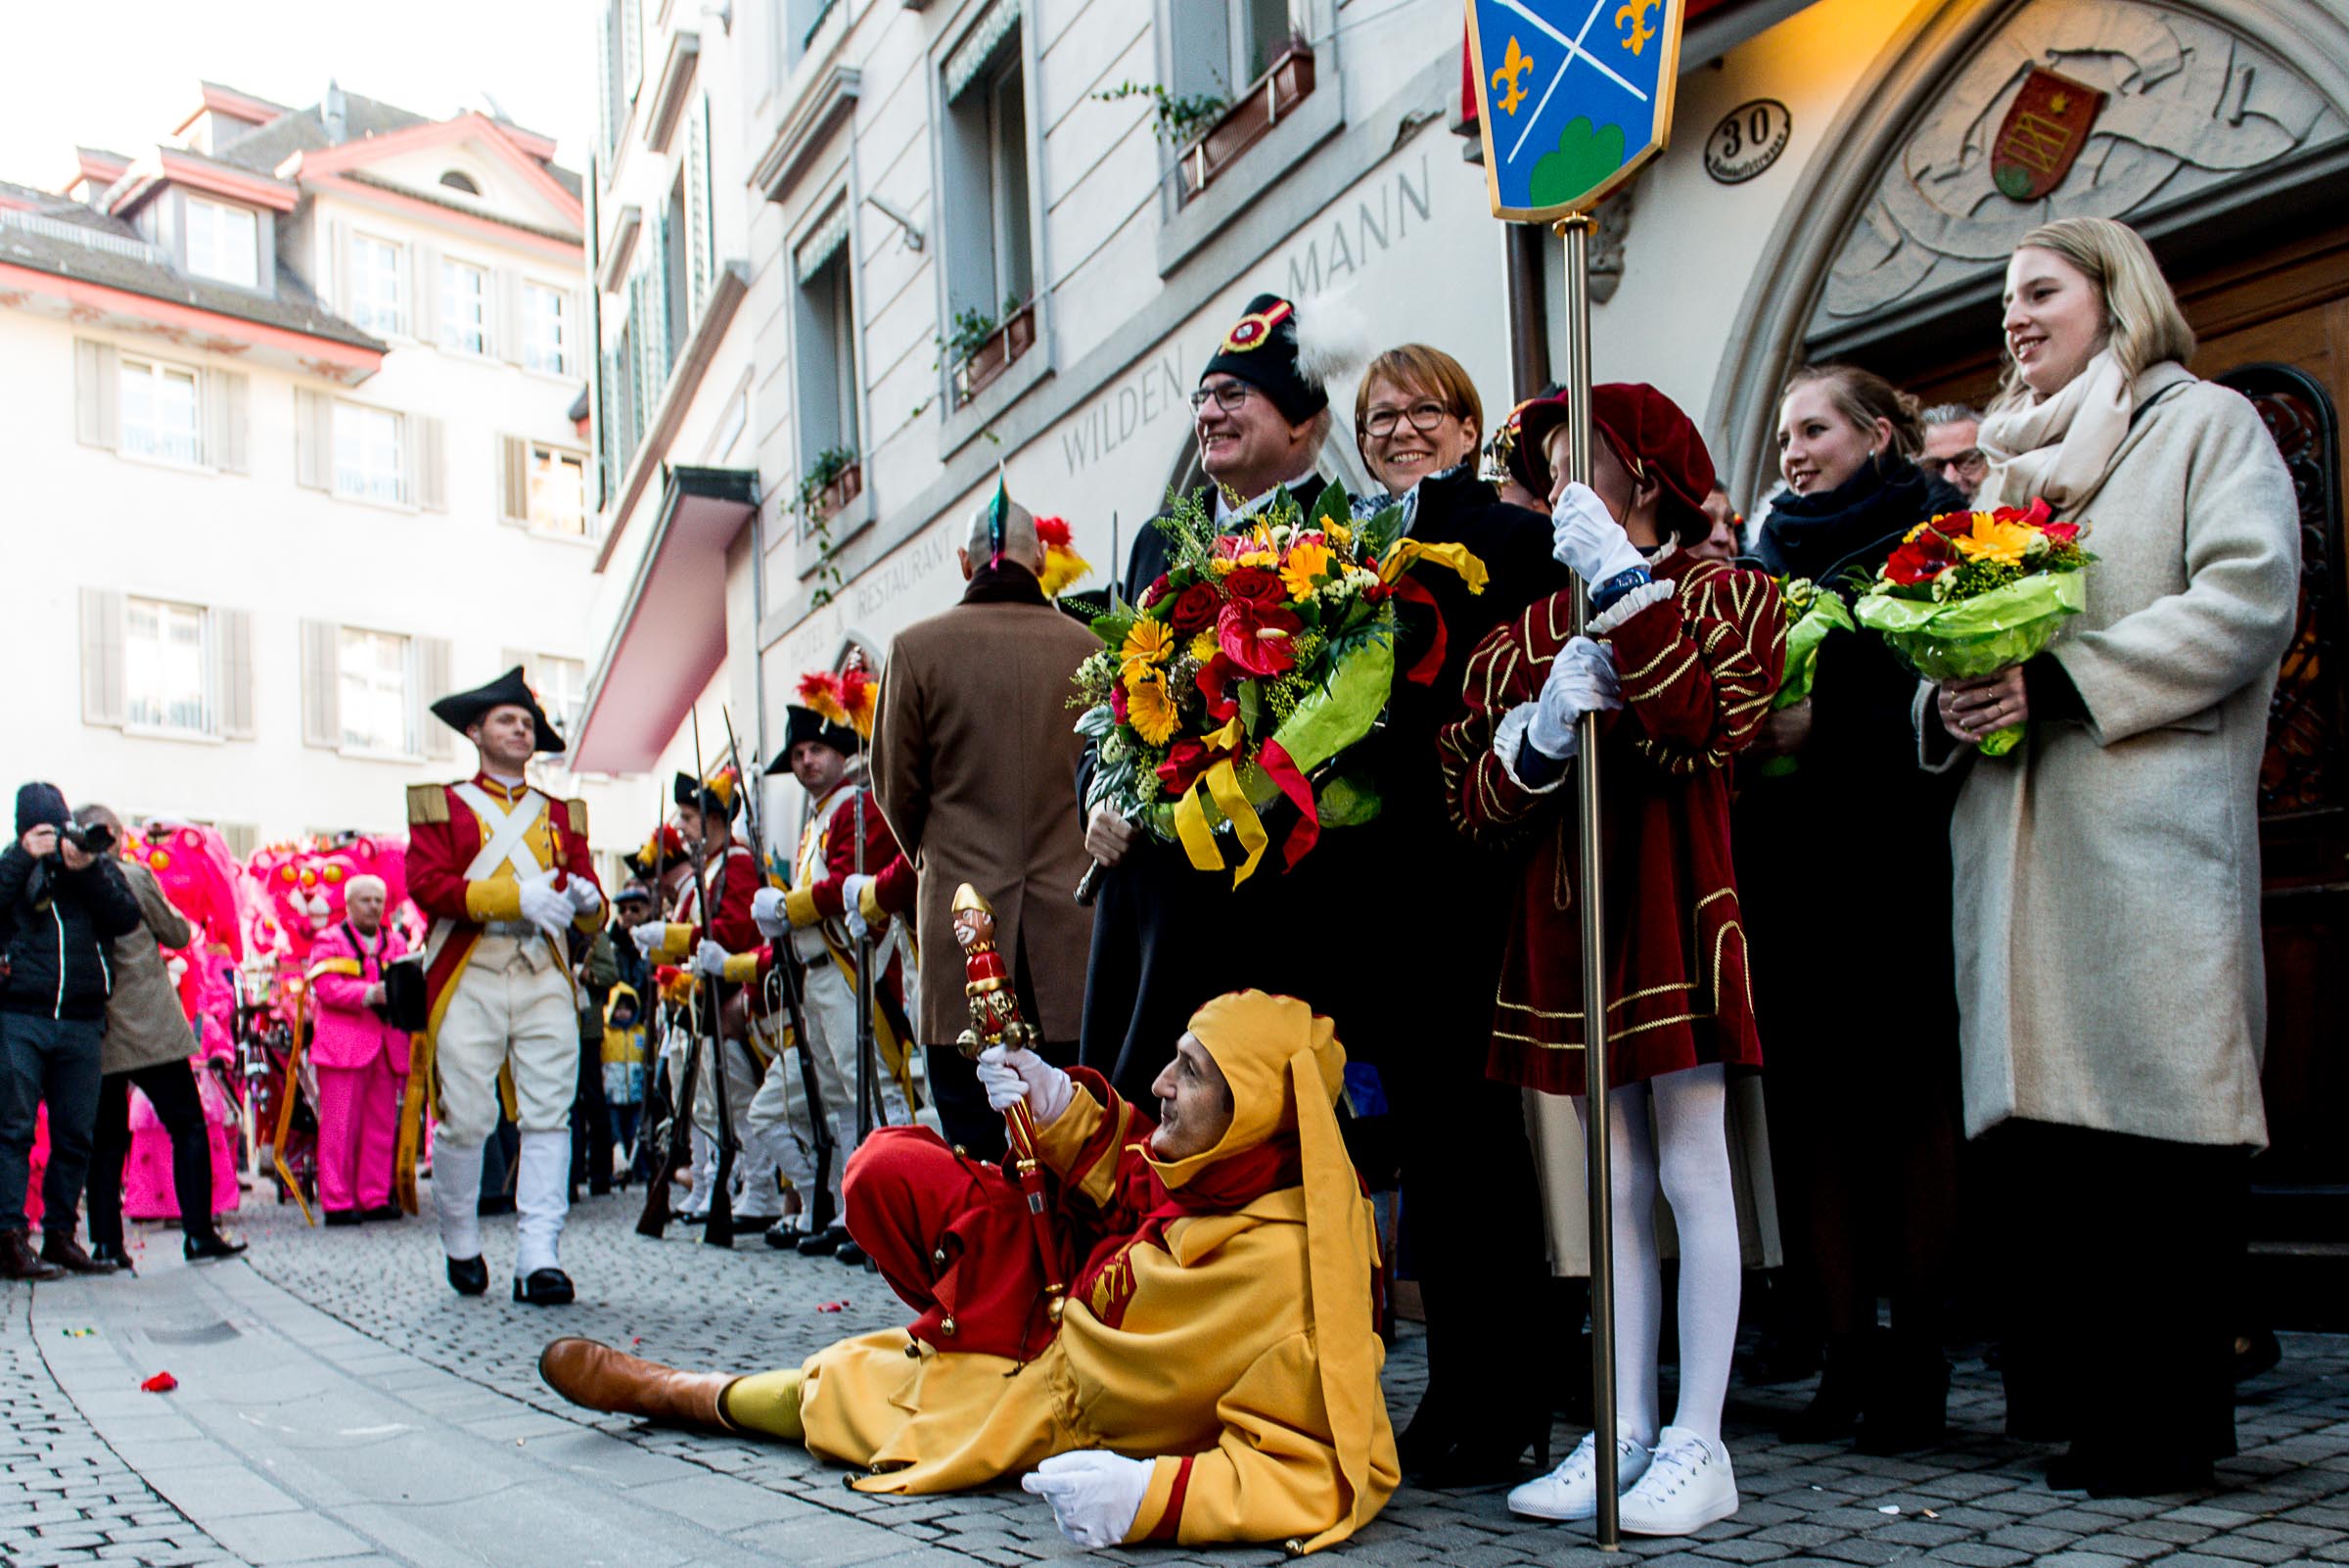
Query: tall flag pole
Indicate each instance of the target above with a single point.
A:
(1573, 97)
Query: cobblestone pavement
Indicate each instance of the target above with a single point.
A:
(350, 1338)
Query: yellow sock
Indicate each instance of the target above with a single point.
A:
(765, 1402)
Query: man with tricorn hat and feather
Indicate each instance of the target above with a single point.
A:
(505, 875)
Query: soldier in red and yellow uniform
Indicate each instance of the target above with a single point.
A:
(505, 875)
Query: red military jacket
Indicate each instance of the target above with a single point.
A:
(736, 881)
(444, 837)
(1699, 653)
(817, 897)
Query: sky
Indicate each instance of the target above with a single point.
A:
(121, 74)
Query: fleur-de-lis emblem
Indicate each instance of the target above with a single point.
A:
(1634, 13)
(1512, 70)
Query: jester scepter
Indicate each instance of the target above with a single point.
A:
(995, 1020)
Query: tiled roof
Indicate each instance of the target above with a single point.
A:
(304, 130)
(121, 261)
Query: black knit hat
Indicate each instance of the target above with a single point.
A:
(1261, 349)
(40, 804)
(461, 709)
(806, 724)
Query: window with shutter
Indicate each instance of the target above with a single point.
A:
(232, 644)
(321, 684)
(429, 450)
(514, 481)
(97, 393)
(100, 656)
(632, 42)
(432, 683)
(227, 399)
(607, 64)
(313, 439)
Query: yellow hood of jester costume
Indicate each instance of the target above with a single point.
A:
(1222, 1328)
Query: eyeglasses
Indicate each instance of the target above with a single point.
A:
(1227, 396)
(1380, 422)
(1969, 461)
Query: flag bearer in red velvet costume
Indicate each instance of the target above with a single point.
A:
(705, 817)
(504, 873)
(1683, 654)
(817, 921)
(1215, 1374)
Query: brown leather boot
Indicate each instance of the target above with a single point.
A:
(60, 1248)
(601, 1378)
(19, 1262)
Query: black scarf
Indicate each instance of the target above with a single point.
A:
(1857, 523)
(1004, 582)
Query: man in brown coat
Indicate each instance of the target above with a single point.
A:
(974, 766)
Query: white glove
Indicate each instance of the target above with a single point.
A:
(851, 896)
(708, 959)
(648, 936)
(1011, 1076)
(1581, 680)
(1587, 539)
(544, 906)
(1094, 1495)
(767, 908)
(584, 894)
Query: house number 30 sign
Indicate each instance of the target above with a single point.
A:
(1747, 141)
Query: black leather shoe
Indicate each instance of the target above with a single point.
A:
(850, 1253)
(384, 1210)
(337, 1219)
(469, 1275)
(18, 1261)
(205, 1245)
(817, 1243)
(785, 1233)
(111, 1252)
(60, 1248)
(546, 1288)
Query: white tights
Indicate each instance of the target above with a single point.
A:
(1687, 1151)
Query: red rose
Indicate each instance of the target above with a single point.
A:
(2062, 532)
(1195, 608)
(1258, 640)
(1150, 594)
(1920, 560)
(1953, 523)
(1255, 586)
(1214, 680)
(1185, 761)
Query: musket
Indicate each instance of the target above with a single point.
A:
(719, 1229)
(678, 1152)
(785, 973)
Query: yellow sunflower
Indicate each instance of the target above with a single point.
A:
(1150, 709)
(1203, 646)
(1306, 561)
(1994, 540)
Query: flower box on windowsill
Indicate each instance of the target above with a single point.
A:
(844, 489)
(991, 358)
(1269, 100)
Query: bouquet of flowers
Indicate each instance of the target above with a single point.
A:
(1246, 670)
(1969, 593)
(1813, 613)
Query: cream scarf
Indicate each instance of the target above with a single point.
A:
(2059, 447)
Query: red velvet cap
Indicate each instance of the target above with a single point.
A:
(1649, 435)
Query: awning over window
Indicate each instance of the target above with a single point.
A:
(671, 637)
(978, 47)
(825, 243)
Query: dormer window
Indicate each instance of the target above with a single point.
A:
(223, 243)
(456, 179)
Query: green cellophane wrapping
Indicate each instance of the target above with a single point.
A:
(1828, 613)
(1323, 723)
(1978, 636)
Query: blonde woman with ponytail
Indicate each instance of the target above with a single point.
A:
(2106, 911)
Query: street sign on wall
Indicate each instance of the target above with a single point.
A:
(1573, 96)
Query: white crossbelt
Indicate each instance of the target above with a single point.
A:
(509, 843)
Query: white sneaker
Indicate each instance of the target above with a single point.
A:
(1686, 1486)
(1571, 1491)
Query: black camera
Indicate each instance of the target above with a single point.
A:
(94, 841)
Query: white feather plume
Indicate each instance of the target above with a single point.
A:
(1333, 340)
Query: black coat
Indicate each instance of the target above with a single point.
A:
(57, 926)
(1168, 937)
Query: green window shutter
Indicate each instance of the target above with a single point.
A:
(699, 228)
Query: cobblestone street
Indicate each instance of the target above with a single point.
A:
(336, 1402)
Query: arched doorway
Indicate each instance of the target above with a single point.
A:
(2223, 136)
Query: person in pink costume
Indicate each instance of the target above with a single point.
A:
(362, 1061)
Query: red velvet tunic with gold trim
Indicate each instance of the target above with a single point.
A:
(1699, 653)
(443, 838)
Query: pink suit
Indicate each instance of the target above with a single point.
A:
(362, 1065)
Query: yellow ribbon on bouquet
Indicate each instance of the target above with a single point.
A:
(1403, 552)
(1222, 783)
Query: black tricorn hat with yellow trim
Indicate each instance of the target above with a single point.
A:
(461, 709)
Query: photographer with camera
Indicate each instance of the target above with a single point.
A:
(148, 1044)
(63, 900)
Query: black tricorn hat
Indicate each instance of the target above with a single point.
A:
(1261, 349)
(806, 724)
(702, 798)
(460, 709)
